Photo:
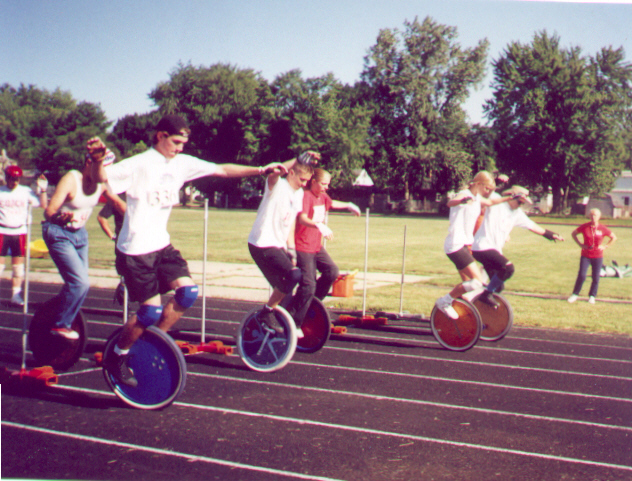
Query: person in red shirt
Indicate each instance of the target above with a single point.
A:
(311, 254)
(592, 247)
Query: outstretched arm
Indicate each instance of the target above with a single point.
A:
(350, 206)
(546, 233)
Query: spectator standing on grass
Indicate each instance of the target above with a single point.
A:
(491, 237)
(310, 251)
(271, 241)
(14, 203)
(465, 208)
(66, 237)
(592, 247)
(151, 266)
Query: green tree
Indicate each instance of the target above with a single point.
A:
(47, 130)
(560, 118)
(417, 81)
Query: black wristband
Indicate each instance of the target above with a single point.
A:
(548, 234)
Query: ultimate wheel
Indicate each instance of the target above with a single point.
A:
(261, 347)
(158, 366)
(457, 334)
(316, 328)
(496, 322)
(51, 350)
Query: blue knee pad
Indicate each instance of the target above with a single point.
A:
(148, 315)
(185, 296)
(291, 280)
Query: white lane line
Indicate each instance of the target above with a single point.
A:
(377, 397)
(406, 437)
(166, 452)
(462, 381)
(479, 363)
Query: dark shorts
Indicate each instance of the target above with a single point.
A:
(147, 275)
(13, 245)
(461, 258)
(492, 260)
(274, 263)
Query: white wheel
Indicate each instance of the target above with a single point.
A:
(263, 349)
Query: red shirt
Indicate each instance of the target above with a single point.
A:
(593, 236)
(307, 238)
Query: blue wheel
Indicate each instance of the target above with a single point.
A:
(158, 366)
(261, 348)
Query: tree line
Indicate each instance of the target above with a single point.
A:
(558, 120)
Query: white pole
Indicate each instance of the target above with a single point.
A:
(203, 333)
(401, 289)
(366, 260)
(27, 267)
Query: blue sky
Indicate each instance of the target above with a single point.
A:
(114, 52)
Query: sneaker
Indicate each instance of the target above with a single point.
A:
(65, 333)
(591, 300)
(444, 304)
(488, 298)
(573, 298)
(269, 319)
(117, 366)
(119, 294)
(17, 300)
(299, 333)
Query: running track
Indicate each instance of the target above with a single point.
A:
(390, 405)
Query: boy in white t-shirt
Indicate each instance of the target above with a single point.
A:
(271, 240)
(14, 202)
(149, 263)
(491, 237)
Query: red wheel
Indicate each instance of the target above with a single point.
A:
(496, 322)
(316, 328)
(457, 334)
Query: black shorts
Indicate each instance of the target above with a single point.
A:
(13, 245)
(492, 260)
(274, 263)
(461, 258)
(149, 274)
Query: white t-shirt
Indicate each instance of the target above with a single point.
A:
(499, 220)
(81, 206)
(278, 209)
(14, 208)
(462, 222)
(152, 184)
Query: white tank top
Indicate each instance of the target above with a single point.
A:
(81, 206)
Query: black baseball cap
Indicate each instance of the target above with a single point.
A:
(173, 125)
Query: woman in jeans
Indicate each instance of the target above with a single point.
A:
(592, 247)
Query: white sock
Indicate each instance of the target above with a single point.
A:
(120, 352)
(16, 290)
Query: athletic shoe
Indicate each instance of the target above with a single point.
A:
(573, 298)
(299, 333)
(119, 294)
(65, 333)
(591, 300)
(117, 366)
(17, 300)
(488, 298)
(444, 304)
(269, 319)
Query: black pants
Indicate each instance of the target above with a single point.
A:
(310, 263)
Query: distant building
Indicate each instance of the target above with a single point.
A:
(618, 202)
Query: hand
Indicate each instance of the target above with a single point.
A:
(291, 251)
(467, 200)
(273, 168)
(113, 237)
(325, 231)
(354, 208)
(309, 157)
(96, 149)
(61, 218)
(42, 184)
(519, 197)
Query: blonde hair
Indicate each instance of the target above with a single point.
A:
(302, 169)
(319, 174)
(483, 177)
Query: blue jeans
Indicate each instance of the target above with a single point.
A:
(596, 264)
(69, 251)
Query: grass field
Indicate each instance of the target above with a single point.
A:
(542, 267)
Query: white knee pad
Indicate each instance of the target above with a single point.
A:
(472, 285)
(18, 270)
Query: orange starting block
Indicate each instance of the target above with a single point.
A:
(361, 321)
(213, 347)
